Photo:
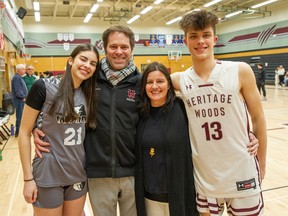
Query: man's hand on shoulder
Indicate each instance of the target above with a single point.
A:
(40, 145)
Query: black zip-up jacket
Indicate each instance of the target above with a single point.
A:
(261, 76)
(110, 148)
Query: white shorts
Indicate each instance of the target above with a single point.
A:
(251, 205)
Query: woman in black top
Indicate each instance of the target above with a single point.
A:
(165, 170)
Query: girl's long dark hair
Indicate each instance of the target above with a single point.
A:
(145, 103)
(64, 98)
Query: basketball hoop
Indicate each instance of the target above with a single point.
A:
(27, 57)
(174, 55)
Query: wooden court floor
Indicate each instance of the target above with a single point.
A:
(275, 184)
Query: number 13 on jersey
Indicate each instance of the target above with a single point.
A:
(213, 131)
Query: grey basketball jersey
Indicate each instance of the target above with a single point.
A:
(65, 164)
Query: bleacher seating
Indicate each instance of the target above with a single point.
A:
(4, 130)
(270, 62)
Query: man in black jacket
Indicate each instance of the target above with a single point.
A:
(110, 148)
(261, 75)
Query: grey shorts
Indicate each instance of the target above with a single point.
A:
(53, 197)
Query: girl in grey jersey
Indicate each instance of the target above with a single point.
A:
(56, 183)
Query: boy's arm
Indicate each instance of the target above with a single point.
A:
(250, 93)
(176, 80)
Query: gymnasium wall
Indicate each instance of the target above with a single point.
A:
(271, 59)
(57, 64)
(237, 38)
(49, 53)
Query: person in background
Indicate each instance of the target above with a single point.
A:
(19, 93)
(276, 78)
(218, 95)
(280, 73)
(29, 78)
(41, 75)
(63, 108)
(165, 171)
(48, 74)
(110, 148)
(36, 74)
(260, 79)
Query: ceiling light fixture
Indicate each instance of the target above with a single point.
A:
(94, 8)
(158, 1)
(144, 11)
(263, 3)
(99, 0)
(233, 14)
(88, 17)
(197, 9)
(212, 3)
(37, 16)
(173, 20)
(36, 6)
(133, 19)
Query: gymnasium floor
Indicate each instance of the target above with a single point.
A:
(275, 185)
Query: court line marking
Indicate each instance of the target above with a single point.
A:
(277, 128)
(86, 209)
(276, 188)
(14, 192)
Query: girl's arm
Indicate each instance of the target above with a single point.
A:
(28, 120)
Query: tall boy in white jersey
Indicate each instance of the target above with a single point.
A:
(218, 96)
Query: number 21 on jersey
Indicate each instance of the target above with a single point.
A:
(74, 137)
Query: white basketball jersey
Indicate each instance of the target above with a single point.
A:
(219, 133)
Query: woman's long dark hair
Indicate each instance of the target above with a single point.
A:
(145, 103)
(65, 95)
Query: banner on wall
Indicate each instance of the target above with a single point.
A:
(182, 39)
(169, 39)
(71, 36)
(137, 37)
(153, 39)
(161, 40)
(66, 46)
(176, 39)
(60, 36)
(2, 43)
(65, 36)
